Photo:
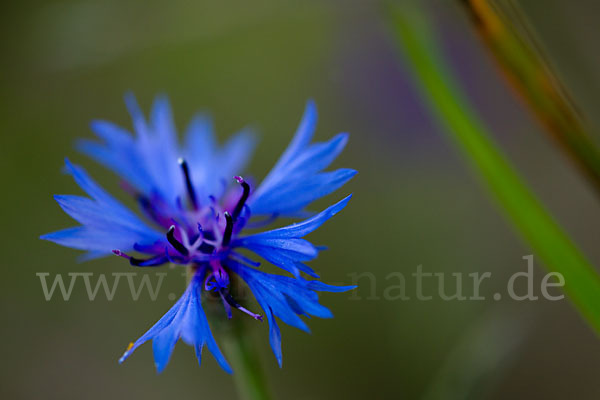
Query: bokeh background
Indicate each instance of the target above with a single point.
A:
(415, 202)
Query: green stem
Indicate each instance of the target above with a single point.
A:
(247, 373)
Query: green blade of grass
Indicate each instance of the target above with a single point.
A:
(452, 110)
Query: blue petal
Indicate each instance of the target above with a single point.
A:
(96, 240)
(285, 298)
(93, 214)
(289, 198)
(148, 159)
(120, 161)
(301, 139)
(284, 247)
(317, 157)
(200, 148)
(162, 122)
(200, 141)
(103, 199)
(111, 133)
(274, 336)
(120, 153)
(158, 327)
(213, 168)
(296, 179)
(186, 320)
(137, 116)
(106, 223)
(163, 150)
(164, 342)
(289, 261)
(323, 287)
(305, 227)
(299, 247)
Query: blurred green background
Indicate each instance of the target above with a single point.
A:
(415, 201)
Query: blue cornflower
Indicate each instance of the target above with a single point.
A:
(194, 217)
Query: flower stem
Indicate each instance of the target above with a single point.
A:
(247, 373)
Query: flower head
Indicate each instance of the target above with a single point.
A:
(195, 214)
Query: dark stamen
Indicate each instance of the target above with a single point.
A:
(176, 243)
(175, 259)
(188, 182)
(231, 301)
(138, 262)
(150, 262)
(240, 204)
(228, 229)
(206, 248)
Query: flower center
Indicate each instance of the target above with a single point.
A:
(203, 246)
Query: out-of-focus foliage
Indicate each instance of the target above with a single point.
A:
(502, 25)
(529, 217)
